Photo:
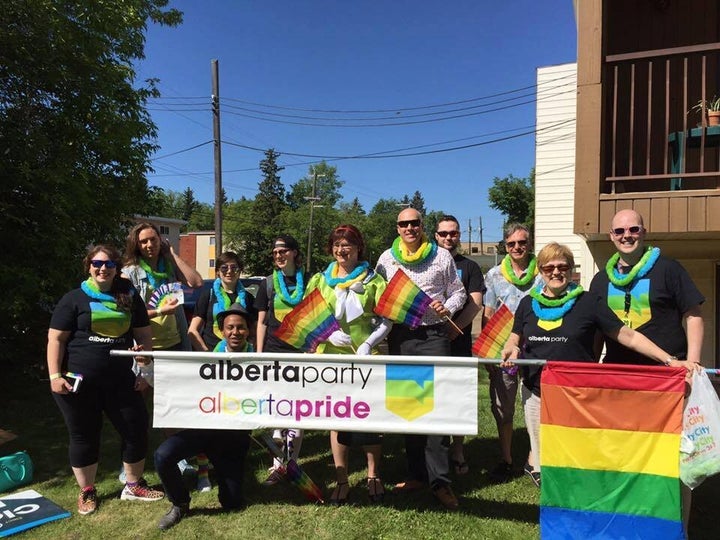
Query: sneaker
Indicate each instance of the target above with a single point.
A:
(275, 476)
(447, 498)
(502, 473)
(140, 492)
(532, 473)
(203, 484)
(173, 517)
(121, 476)
(87, 501)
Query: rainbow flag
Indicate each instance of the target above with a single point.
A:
(403, 301)
(492, 338)
(309, 323)
(610, 446)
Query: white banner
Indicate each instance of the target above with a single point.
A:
(383, 394)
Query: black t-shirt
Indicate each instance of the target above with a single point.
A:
(92, 337)
(657, 304)
(472, 279)
(265, 302)
(204, 310)
(572, 340)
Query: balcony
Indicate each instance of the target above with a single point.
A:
(653, 140)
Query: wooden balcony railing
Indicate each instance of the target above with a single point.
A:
(652, 139)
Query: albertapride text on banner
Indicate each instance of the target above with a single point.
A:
(385, 394)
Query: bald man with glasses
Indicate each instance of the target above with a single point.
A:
(650, 293)
(433, 270)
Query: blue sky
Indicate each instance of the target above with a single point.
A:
(399, 59)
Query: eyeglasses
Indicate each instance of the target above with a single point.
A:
(451, 234)
(99, 263)
(343, 246)
(550, 268)
(409, 223)
(232, 268)
(620, 231)
(279, 252)
(519, 243)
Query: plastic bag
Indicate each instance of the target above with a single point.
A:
(700, 442)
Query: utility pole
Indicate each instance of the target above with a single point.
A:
(312, 200)
(218, 156)
(469, 237)
(482, 248)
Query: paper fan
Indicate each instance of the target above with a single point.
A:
(166, 293)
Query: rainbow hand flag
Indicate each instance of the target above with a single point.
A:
(309, 323)
(490, 342)
(610, 441)
(403, 301)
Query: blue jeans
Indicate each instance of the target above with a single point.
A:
(225, 448)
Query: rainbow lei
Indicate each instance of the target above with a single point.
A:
(358, 274)
(640, 270)
(222, 347)
(282, 290)
(222, 301)
(159, 276)
(553, 309)
(509, 274)
(426, 249)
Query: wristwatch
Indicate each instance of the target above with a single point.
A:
(669, 359)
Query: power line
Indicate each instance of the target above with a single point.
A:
(383, 155)
(395, 109)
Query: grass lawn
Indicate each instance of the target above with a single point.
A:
(508, 511)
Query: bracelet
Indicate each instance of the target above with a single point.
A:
(54, 376)
(669, 359)
(516, 348)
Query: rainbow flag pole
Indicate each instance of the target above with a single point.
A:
(308, 324)
(610, 441)
(403, 301)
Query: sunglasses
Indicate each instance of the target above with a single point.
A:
(519, 243)
(229, 268)
(451, 234)
(409, 223)
(276, 252)
(619, 231)
(99, 263)
(550, 268)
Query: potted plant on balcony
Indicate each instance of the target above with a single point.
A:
(712, 106)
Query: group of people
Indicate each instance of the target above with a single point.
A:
(640, 302)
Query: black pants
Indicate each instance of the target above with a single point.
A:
(426, 454)
(225, 448)
(115, 396)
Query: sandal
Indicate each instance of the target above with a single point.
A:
(376, 490)
(461, 467)
(340, 494)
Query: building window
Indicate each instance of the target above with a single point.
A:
(164, 229)
(211, 263)
(212, 240)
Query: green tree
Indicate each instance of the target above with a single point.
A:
(514, 198)
(418, 203)
(188, 204)
(76, 141)
(327, 187)
(255, 236)
(381, 228)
